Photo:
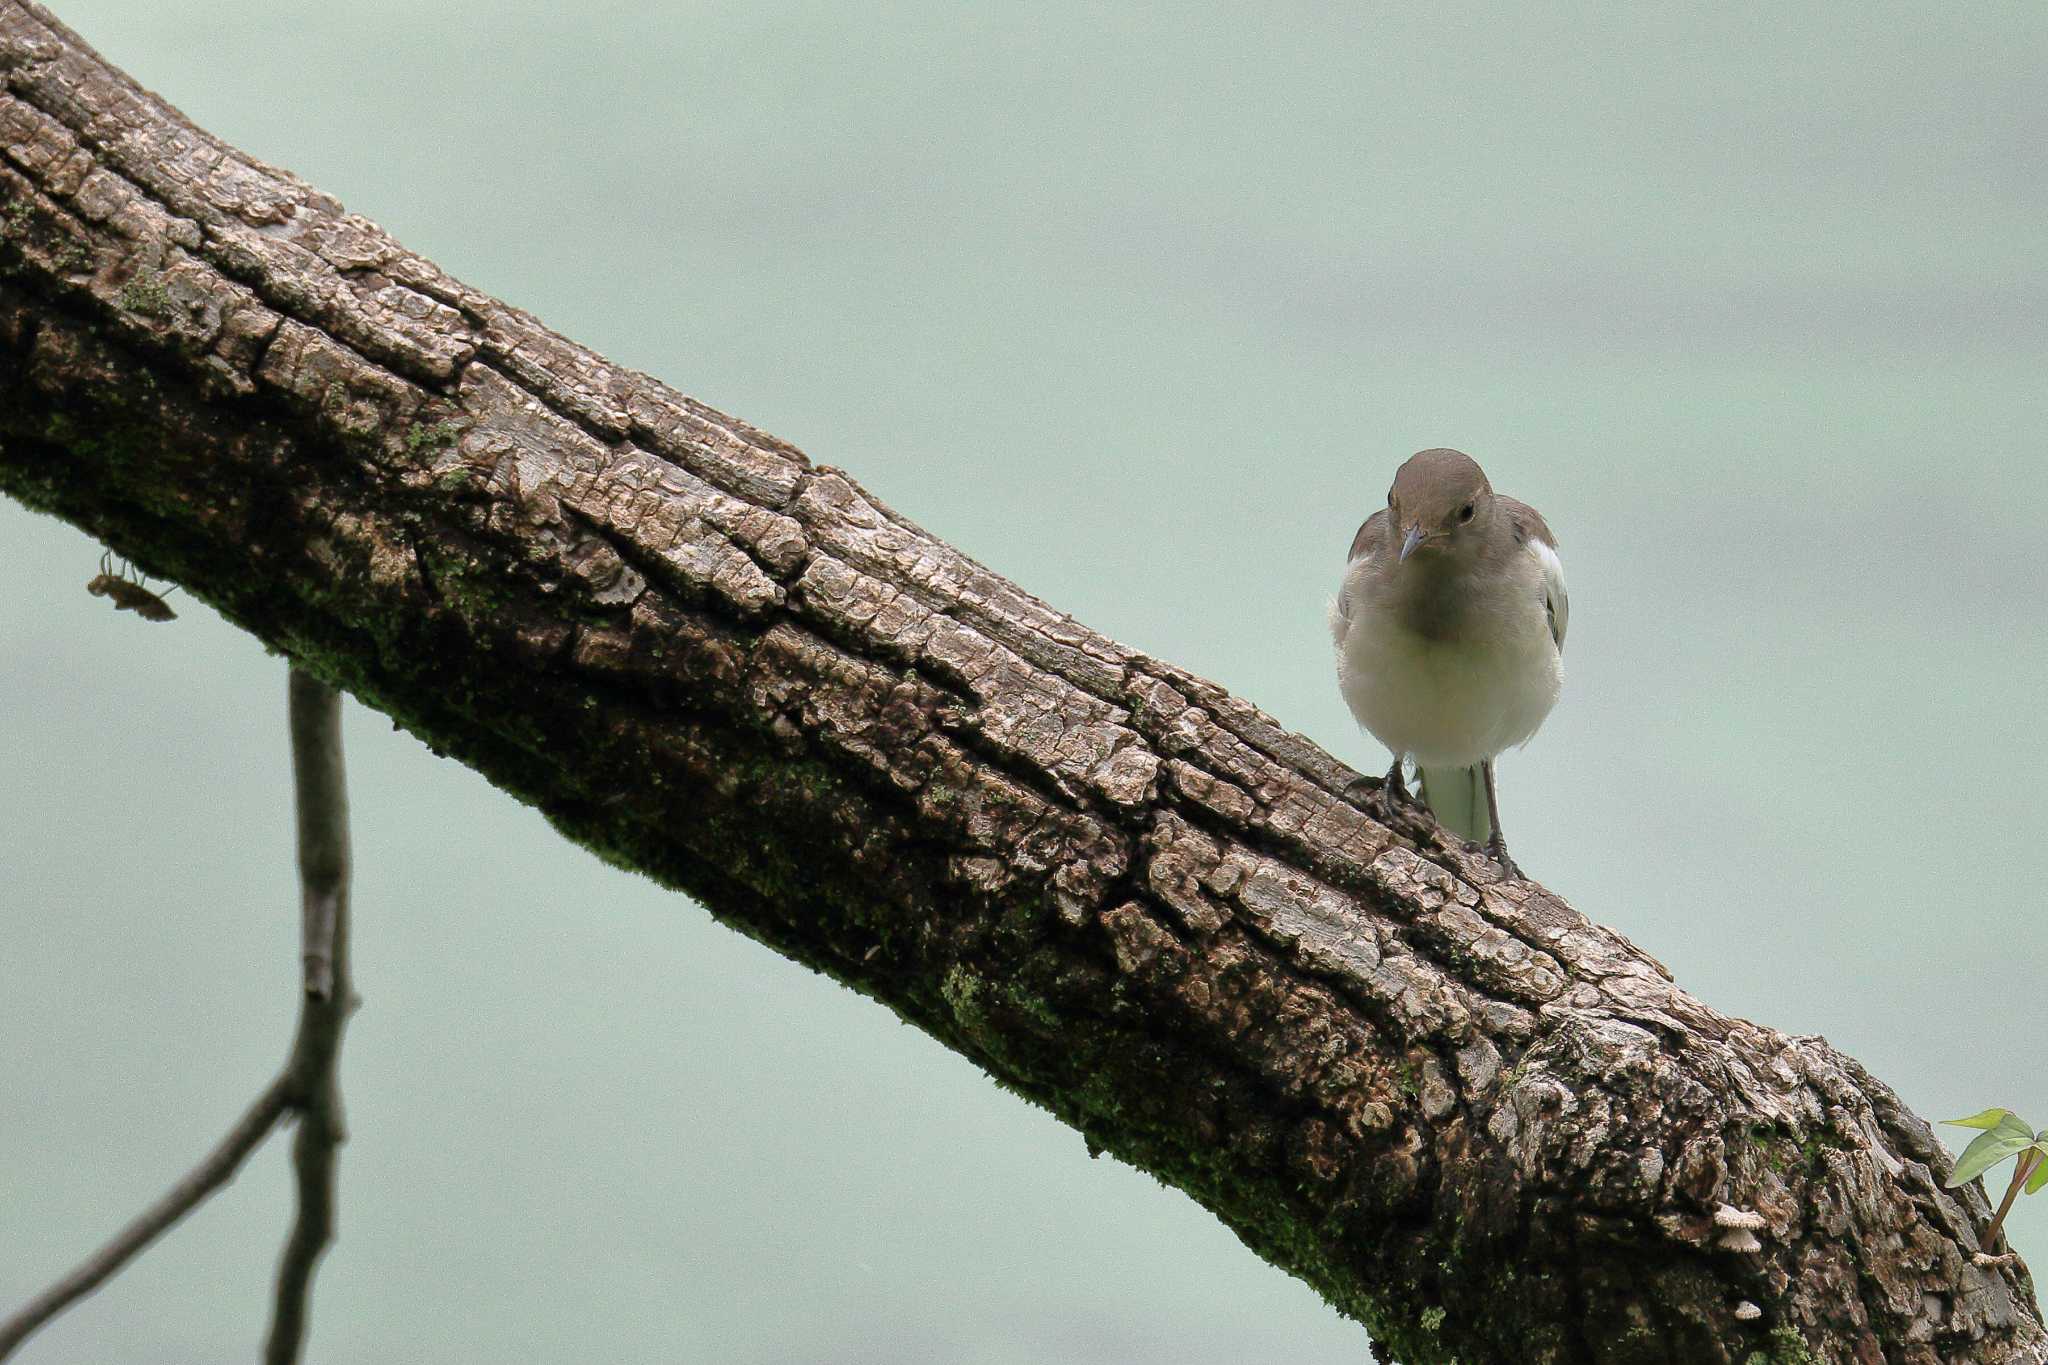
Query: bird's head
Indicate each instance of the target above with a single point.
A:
(1440, 504)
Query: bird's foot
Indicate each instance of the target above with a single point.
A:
(1360, 792)
(1388, 800)
(1497, 848)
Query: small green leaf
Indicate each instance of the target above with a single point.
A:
(2033, 1164)
(1988, 1119)
(1980, 1146)
(1987, 1151)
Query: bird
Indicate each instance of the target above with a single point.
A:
(1449, 629)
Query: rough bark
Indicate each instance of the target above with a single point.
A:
(1484, 1126)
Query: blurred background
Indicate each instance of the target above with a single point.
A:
(1140, 305)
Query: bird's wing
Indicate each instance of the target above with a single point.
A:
(1555, 600)
(1370, 536)
(1534, 534)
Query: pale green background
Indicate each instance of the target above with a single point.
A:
(1140, 305)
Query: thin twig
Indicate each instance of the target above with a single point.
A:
(216, 1170)
(307, 1085)
(320, 793)
(320, 790)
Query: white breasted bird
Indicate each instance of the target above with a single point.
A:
(1450, 630)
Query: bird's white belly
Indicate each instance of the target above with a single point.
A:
(1451, 702)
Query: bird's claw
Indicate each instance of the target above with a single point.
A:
(1497, 847)
(1385, 800)
(1498, 851)
(1374, 801)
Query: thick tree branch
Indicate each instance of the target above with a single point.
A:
(1488, 1128)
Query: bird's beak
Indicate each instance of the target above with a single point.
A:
(1411, 540)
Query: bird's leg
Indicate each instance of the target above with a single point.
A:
(1392, 795)
(1395, 787)
(1498, 844)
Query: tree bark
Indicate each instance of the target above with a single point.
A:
(1482, 1125)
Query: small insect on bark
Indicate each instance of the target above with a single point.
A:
(124, 586)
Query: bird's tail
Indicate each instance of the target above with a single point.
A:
(1457, 797)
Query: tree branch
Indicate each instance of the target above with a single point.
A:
(1488, 1128)
(320, 792)
(307, 1086)
(216, 1170)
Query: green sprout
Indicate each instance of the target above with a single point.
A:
(2004, 1134)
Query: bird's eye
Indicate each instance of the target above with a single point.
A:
(1465, 512)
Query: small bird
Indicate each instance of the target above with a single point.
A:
(1449, 629)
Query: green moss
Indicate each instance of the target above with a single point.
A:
(438, 436)
(1432, 1319)
(1789, 1348)
(145, 294)
(1783, 1152)
(16, 218)
(962, 991)
(1038, 1008)
(463, 584)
